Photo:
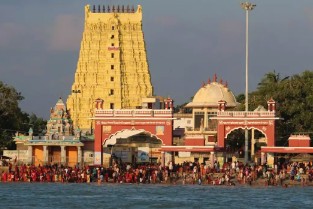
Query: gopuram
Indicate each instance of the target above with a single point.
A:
(112, 64)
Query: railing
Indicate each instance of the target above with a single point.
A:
(200, 129)
(55, 142)
(245, 114)
(183, 115)
(132, 113)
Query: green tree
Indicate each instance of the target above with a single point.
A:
(294, 97)
(13, 119)
(10, 114)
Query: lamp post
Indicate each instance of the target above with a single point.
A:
(247, 6)
(76, 106)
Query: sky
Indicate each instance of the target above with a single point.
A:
(187, 42)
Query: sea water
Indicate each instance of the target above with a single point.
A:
(134, 196)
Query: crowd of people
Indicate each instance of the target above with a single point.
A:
(186, 173)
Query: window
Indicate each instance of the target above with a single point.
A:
(111, 92)
(112, 78)
(113, 27)
(112, 36)
(112, 44)
(112, 67)
(111, 105)
(112, 55)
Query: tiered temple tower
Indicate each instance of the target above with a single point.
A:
(112, 63)
(59, 124)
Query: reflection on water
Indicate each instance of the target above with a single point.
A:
(54, 195)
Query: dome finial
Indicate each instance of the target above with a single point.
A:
(203, 84)
(209, 81)
(226, 84)
(215, 78)
(221, 81)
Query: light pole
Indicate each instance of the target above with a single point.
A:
(247, 6)
(76, 106)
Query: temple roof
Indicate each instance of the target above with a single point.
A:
(60, 102)
(209, 95)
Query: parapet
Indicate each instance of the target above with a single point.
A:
(113, 9)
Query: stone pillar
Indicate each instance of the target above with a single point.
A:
(79, 156)
(252, 142)
(206, 118)
(63, 155)
(163, 159)
(212, 156)
(270, 159)
(263, 160)
(168, 157)
(30, 155)
(45, 155)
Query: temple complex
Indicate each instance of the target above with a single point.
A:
(111, 113)
(112, 63)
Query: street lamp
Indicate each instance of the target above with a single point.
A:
(76, 106)
(247, 6)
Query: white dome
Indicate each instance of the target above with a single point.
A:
(210, 94)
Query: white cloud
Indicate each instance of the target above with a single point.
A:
(9, 33)
(66, 33)
(230, 32)
(309, 13)
(166, 21)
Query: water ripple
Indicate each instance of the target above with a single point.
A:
(133, 196)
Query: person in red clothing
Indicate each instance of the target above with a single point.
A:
(16, 176)
(24, 176)
(10, 167)
(4, 176)
(34, 176)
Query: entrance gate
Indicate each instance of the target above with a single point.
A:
(264, 121)
(157, 122)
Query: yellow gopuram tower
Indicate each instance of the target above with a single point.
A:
(112, 63)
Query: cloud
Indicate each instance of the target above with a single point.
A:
(9, 33)
(166, 21)
(230, 32)
(66, 33)
(309, 13)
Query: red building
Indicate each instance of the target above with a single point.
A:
(133, 135)
(146, 135)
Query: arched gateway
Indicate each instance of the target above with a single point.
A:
(264, 121)
(139, 129)
(231, 120)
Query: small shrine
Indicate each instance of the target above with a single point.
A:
(60, 144)
(60, 124)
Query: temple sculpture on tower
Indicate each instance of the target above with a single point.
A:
(59, 124)
(112, 63)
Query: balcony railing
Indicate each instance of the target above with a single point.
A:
(245, 114)
(190, 129)
(133, 113)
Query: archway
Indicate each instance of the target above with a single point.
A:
(132, 146)
(228, 121)
(110, 121)
(235, 142)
